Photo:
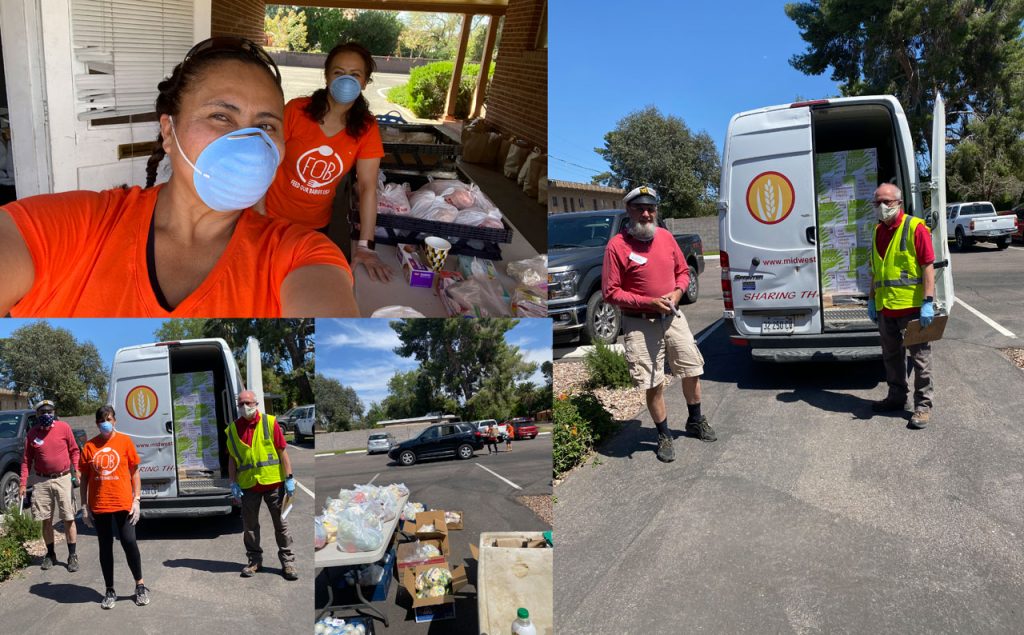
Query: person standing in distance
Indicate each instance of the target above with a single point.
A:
(902, 289)
(645, 275)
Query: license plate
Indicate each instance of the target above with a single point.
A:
(777, 325)
(148, 491)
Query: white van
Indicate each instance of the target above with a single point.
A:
(175, 400)
(796, 222)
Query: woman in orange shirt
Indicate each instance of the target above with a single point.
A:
(111, 489)
(325, 134)
(192, 247)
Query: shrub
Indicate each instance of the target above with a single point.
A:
(580, 422)
(400, 95)
(21, 527)
(13, 556)
(427, 89)
(607, 367)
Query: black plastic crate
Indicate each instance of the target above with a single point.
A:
(419, 156)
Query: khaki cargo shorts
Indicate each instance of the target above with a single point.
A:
(647, 342)
(53, 495)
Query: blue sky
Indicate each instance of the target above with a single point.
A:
(700, 61)
(358, 353)
(107, 334)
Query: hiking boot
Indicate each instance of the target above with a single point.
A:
(701, 429)
(141, 595)
(665, 452)
(251, 569)
(73, 563)
(288, 572)
(47, 563)
(109, 599)
(889, 404)
(920, 419)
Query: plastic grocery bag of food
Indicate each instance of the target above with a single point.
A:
(319, 533)
(359, 530)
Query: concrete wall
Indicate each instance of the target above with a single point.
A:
(517, 98)
(705, 226)
(356, 439)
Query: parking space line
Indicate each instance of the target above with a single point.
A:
(986, 319)
(374, 478)
(540, 434)
(499, 476)
(304, 488)
(710, 330)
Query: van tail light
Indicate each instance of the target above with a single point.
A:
(726, 285)
(805, 104)
(738, 341)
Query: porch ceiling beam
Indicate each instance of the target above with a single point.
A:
(485, 7)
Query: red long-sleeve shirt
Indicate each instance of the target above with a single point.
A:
(49, 451)
(636, 271)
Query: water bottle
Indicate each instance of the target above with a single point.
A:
(523, 625)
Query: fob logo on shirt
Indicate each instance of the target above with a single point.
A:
(106, 461)
(319, 167)
(141, 402)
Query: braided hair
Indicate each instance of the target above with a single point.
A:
(171, 89)
(358, 118)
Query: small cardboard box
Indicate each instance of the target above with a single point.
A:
(416, 273)
(435, 518)
(454, 523)
(406, 549)
(409, 582)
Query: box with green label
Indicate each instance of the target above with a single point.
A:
(195, 425)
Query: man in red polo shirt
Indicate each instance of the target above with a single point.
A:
(645, 274)
(51, 451)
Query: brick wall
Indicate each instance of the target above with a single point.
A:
(517, 99)
(241, 18)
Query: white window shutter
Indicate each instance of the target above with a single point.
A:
(127, 47)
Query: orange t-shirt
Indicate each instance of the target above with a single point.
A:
(89, 253)
(304, 186)
(107, 465)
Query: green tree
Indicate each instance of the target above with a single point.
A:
(374, 414)
(181, 329)
(431, 35)
(647, 147)
(378, 31)
(286, 29)
(49, 363)
(988, 162)
(339, 404)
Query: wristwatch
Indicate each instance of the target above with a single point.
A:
(929, 298)
(289, 476)
(369, 244)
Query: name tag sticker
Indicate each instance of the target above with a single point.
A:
(37, 442)
(640, 260)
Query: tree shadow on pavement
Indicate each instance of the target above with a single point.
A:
(210, 566)
(66, 593)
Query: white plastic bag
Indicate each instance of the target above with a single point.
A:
(359, 530)
(393, 199)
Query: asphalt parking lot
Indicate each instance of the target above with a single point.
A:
(192, 569)
(808, 514)
(486, 497)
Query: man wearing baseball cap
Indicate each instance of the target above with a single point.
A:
(50, 450)
(645, 275)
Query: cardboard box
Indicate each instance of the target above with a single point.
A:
(409, 582)
(435, 518)
(456, 524)
(416, 273)
(435, 613)
(406, 549)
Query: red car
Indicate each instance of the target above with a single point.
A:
(523, 428)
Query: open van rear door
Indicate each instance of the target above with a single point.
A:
(141, 393)
(254, 371)
(944, 297)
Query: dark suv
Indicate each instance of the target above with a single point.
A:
(438, 441)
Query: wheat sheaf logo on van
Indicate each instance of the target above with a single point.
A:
(141, 402)
(770, 197)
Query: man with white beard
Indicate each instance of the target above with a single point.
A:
(645, 274)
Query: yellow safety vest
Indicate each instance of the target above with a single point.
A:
(258, 463)
(898, 276)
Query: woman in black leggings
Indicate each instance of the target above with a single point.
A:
(111, 484)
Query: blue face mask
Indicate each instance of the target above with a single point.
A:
(236, 170)
(106, 427)
(345, 89)
(46, 419)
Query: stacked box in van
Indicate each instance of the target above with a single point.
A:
(195, 427)
(845, 185)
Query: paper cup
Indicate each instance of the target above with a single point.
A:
(436, 250)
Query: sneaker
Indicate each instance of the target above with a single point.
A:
(889, 404)
(109, 599)
(920, 419)
(701, 429)
(288, 572)
(73, 562)
(47, 563)
(251, 569)
(665, 452)
(141, 595)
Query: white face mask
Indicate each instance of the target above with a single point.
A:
(886, 213)
(250, 411)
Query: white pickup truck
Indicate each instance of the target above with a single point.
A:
(970, 222)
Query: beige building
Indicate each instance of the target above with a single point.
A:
(569, 196)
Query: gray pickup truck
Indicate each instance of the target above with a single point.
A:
(576, 242)
(14, 425)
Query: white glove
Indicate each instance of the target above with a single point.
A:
(87, 517)
(133, 516)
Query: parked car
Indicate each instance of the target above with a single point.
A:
(978, 221)
(380, 442)
(575, 259)
(14, 425)
(523, 428)
(1018, 211)
(304, 421)
(484, 425)
(441, 440)
(287, 421)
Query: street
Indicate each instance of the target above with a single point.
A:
(191, 567)
(808, 514)
(484, 495)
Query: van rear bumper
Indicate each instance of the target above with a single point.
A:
(830, 347)
(186, 506)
